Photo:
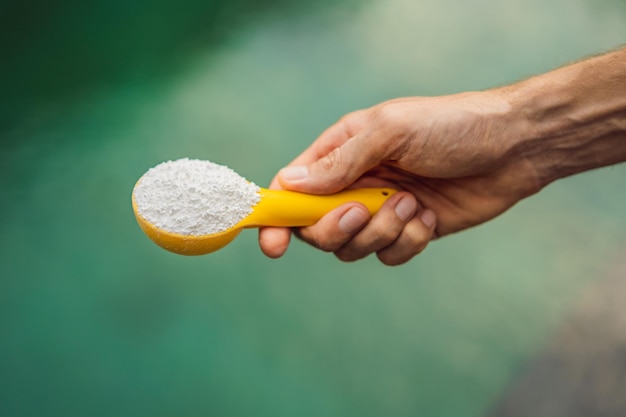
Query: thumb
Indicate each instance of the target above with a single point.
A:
(337, 169)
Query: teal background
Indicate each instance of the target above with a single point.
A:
(96, 320)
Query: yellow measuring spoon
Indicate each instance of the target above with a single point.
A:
(275, 208)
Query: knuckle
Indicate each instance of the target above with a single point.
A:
(391, 118)
(384, 233)
(346, 120)
(347, 255)
(417, 235)
(335, 163)
(387, 114)
(316, 239)
(326, 246)
(344, 258)
(330, 160)
(389, 259)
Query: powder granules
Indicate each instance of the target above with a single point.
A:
(194, 197)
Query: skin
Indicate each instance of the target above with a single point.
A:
(459, 160)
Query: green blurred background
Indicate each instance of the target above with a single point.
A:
(95, 320)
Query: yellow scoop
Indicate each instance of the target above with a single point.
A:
(275, 208)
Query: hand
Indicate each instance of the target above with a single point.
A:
(459, 160)
(448, 155)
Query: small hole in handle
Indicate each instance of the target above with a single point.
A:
(385, 192)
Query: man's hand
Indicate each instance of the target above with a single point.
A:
(441, 152)
(458, 160)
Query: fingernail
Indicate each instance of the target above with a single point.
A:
(294, 173)
(352, 220)
(405, 208)
(428, 217)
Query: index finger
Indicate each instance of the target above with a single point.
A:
(333, 137)
(274, 241)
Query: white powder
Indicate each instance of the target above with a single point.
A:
(194, 197)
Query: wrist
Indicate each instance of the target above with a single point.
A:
(572, 119)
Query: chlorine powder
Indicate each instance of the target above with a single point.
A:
(194, 197)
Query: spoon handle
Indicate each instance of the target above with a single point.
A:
(291, 209)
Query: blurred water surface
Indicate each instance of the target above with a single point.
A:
(96, 320)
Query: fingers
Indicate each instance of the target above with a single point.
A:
(338, 158)
(336, 228)
(343, 153)
(328, 234)
(395, 233)
(339, 168)
(274, 241)
(415, 236)
(333, 137)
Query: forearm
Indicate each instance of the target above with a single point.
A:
(573, 118)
